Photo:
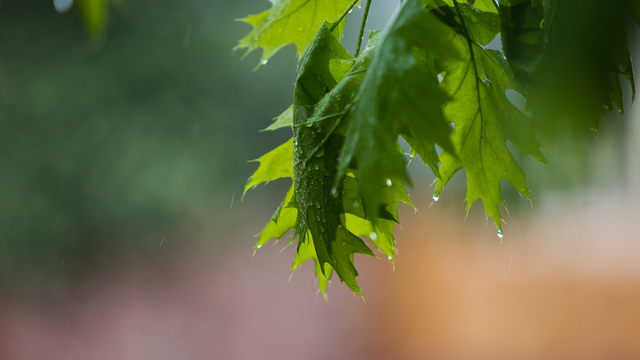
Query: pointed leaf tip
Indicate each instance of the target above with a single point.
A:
(290, 22)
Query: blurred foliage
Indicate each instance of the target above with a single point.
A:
(569, 56)
(108, 147)
(95, 14)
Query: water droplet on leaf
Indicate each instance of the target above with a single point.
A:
(500, 235)
(373, 236)
(389, 183)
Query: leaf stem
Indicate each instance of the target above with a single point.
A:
(467, 35)
(364, 22)
(344, 14)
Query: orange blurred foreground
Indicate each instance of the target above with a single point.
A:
(564, 286)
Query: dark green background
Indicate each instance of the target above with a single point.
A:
(107, 146)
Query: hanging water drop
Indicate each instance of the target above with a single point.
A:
(436, 198)
(62, 6)
(258, 247)
(334, 192)
(373, 236)
(500, 235)
(265, 62)
(389, 183)
(389, 257)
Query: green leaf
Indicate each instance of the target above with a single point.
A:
(274, 165)
(283, 120)
(327, 220)
(484, 120)
(317, 112)
(568, 55)
(430, 79)
(524, 32)
(483, 25)
(283, 220)
(290, 22)
(306, 252)
(399, 96)
(481, 5)
(380, 233)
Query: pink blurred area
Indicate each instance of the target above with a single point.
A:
(565, 285)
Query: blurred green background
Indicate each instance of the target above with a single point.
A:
(108, 145)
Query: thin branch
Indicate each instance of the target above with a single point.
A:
(344, 14)
(364, 22)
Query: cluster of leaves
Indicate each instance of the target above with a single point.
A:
(431, 79)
